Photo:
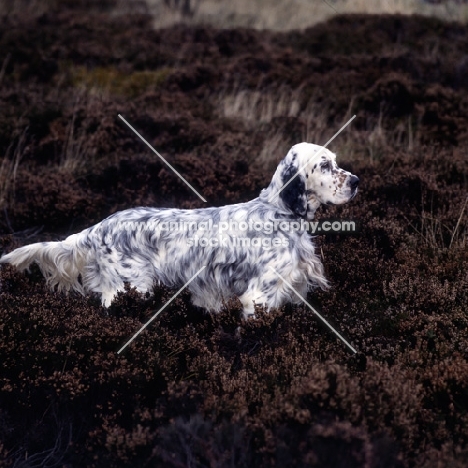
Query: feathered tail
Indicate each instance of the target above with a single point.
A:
(61, 263)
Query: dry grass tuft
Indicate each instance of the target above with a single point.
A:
(9, 170)
(212, 389)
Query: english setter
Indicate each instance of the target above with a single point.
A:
(143, 246)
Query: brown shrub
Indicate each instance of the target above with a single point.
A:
(213, 390)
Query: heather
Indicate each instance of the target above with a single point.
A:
(213, 390)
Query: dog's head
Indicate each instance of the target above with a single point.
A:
(306, 178)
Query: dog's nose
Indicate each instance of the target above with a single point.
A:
(354, 182)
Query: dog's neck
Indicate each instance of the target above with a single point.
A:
(312, 205)
(270, 195)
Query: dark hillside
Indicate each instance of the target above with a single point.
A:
(224, 106)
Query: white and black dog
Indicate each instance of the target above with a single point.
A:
(239, 244)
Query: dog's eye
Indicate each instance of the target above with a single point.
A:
(325, 166)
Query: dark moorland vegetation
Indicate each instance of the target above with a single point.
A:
(224, 106)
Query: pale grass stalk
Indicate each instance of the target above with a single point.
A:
(316, 123)
(76, 149)
(432, 230)
(9, 170)
(259, 107)
(274, 149)
(462, 241)
(255, 108)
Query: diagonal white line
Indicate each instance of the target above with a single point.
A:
(320, 152)
(161, 309)
(168, 164)
(316, 313)
(332, 7)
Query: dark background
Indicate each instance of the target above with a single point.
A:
(224, 106)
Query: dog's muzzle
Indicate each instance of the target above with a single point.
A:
(353, 183)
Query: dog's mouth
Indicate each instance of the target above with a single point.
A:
(342, 199)
(353, 194)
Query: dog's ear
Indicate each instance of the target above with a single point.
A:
(293, 197)
(294, 194)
